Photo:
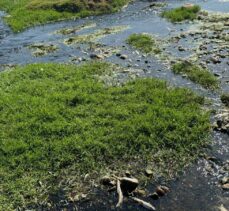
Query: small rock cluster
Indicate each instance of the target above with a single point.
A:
(209, 41)
(122, 56)
(103, 52)
(222, 122)
(224, 179)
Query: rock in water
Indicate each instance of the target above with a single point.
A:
(225, 186)
(225, 180)
(96, 56)
(165, 189)
(180, 48)
(154, 196)
(128, 185)
(215, 60)
(160, 191)
(123, 56)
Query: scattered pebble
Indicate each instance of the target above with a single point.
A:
(123, 56)
(148, 172)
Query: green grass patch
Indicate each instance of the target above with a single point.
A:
(196, 74)
(225, 99)
(58, 121)
(143, 42)
(26, 13)
(182, 13)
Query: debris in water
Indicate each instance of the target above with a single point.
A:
(144, 203)
(120, 194)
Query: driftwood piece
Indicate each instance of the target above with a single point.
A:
(144, 203)
(132, 180)
(128, 185)
(120, 194)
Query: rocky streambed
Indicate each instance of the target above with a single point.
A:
(204, 184)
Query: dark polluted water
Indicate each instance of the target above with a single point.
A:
(198, 187)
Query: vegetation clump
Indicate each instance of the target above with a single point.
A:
(26, 13)
(76, 6)
(182, 13)
(143, 42)
(92, 37)
(196, 74)
(41, 49)
(59, 122)
(225, 99)
(67, 31)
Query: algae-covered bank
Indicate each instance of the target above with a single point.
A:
(26, 13)
(62, 122)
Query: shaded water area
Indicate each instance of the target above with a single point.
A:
(198, 187)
